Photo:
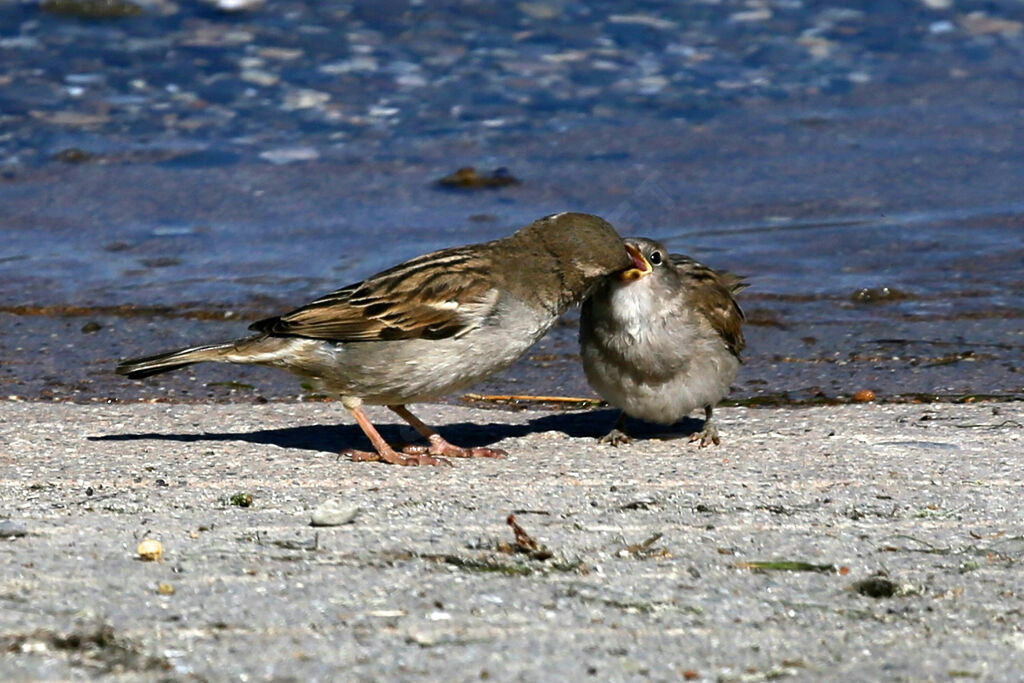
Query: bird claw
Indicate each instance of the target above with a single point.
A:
(452, 451)
(706, 436)
(395, 458)
(498, 453)
(616, 438)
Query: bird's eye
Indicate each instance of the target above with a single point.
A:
(655, 258)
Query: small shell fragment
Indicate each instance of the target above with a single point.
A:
(333, 513)
(150, 550)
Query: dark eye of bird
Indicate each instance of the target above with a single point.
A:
(655, 258)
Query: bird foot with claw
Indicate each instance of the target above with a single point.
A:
(442, 447)
(706, 436)
(616, 437)
(395, 458)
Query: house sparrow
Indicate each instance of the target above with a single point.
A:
(662, 338)
(426, 327)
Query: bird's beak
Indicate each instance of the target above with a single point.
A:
(641, 266)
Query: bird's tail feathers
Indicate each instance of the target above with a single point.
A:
(735, 283)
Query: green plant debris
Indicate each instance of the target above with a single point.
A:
(576, 566)
(242, 500)
(935, 512)
(786, 566)
(484, 565)
(310, 544)
(633, 606)
(1001, 425)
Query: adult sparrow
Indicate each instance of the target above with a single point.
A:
(426, 327)
(662, 338)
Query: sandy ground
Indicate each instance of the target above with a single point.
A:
(646, 565)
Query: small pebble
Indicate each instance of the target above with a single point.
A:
(864, 396)
(468, 178)
(874, 295)
(11, 529)
(151, 550)
(333, 513)
(74, 155)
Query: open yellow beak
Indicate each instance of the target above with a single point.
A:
(641, 266)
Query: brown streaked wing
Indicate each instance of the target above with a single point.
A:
(439, 295)
(713, 292)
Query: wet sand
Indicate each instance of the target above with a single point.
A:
(862, 169)
(903, 293)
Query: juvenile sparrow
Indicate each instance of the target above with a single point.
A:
(426, 327)
(662, 338)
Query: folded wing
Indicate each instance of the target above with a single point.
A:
(439, 295)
